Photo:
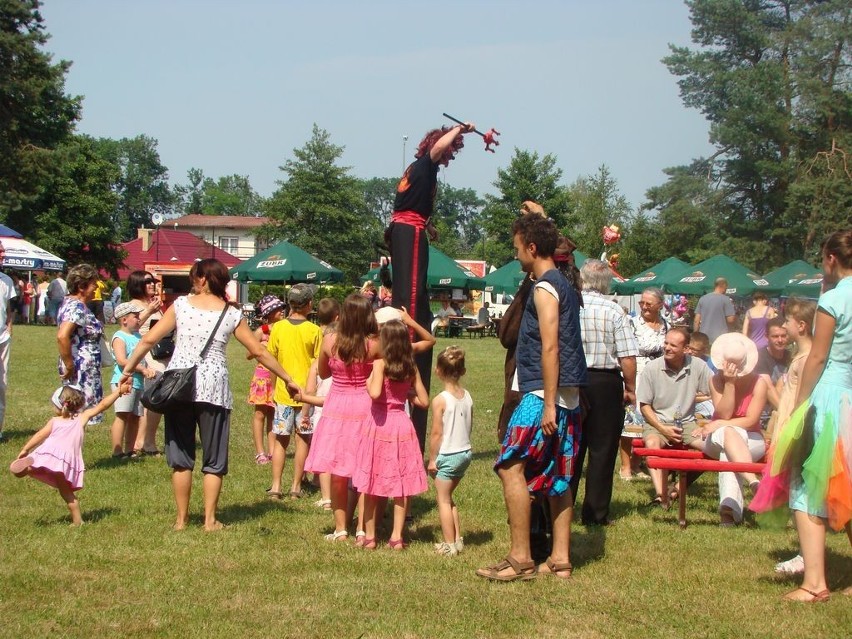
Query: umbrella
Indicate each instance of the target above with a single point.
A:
(443, 271)
(5, 231)
(808, 286)
(285, 262)
(789, 273)
(698, 279)
(650, 277)
(26, 256)
(508, 277)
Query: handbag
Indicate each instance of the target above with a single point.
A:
(164, 348)
(176, 386)
(107, 358)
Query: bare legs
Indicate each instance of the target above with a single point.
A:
(303, 446)
(447, 511)
(71, 501)
(123, 432)
(261, 424)
(660, 478)
(146, 439)
(182, 488)
(279, 456)
(812, 542)
(339, 501)
(517, 500)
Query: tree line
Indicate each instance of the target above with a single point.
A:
(771, 77)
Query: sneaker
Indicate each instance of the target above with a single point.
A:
(445, 549)
(794, 566)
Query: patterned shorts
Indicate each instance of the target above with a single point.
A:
(288, 419)
(549, 460)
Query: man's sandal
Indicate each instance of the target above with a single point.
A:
(521, 571)
(554, 569)
(816, 597)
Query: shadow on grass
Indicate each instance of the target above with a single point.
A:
(838, 569)
(89, 517)
(237, 513)
(107, 463)
(10, 436)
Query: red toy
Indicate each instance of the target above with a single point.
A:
(488, 136)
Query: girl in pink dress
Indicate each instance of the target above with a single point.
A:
(54, 454)
(389, 462)
(347, 356)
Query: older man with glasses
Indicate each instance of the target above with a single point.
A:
(7, 294)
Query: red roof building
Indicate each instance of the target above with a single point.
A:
(177, 250)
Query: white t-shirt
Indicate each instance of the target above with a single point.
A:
(458, 423)
(566, 396)
(7, 292)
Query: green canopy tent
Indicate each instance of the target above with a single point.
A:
(808, 286)
(791, 273)
(443, 272)
(650, 277)
(508, 277)
(698, 279)
(285, 262)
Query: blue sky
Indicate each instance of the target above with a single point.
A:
(233, 87)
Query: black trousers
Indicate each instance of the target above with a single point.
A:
(409, 249)
(602, 428)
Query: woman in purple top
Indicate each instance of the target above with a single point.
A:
(754, 323)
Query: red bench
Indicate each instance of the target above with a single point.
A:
(685, 460)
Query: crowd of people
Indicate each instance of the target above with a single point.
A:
(352, 390)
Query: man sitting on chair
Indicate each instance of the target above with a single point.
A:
(442, 317)
(667, 386)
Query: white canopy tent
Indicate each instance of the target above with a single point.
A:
(25, 256)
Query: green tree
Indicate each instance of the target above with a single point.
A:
(597, 203)
(142, 186)
(36, 115)
(771, 77)
(379, 196)
(230, 195)
(458, 218)
(320, 207)
(76, 208)
(528, 177)
(189, 196)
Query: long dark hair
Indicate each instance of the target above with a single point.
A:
(215, 273)
(136, 289)
(397, 351)
(354, 325)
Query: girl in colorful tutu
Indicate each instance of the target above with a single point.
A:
(347, 356)
(262, 387)
(389, 461)
(54, 454)
(811, 463)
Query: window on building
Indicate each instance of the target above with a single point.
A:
(228, 244)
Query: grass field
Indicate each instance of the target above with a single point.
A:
(270, 573)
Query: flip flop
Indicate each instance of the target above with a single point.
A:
(816, 597)
(521, 571)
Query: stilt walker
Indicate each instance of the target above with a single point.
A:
(407, 241)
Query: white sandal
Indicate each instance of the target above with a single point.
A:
(337, 535)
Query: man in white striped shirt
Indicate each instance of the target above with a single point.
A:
(611, 351)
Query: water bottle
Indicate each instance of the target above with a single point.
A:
(678, 419)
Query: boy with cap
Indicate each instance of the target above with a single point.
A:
(128, 408)
(295, 342)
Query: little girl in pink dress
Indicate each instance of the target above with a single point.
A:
(54, 454)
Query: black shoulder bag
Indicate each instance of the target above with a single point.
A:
(176, 386)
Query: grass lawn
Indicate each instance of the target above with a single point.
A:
(271, 574)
